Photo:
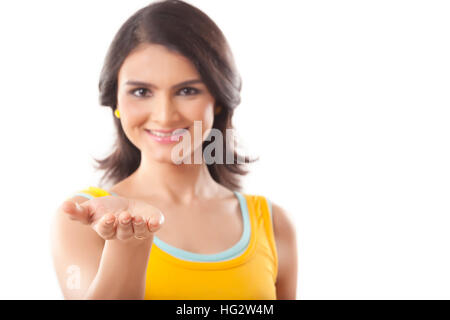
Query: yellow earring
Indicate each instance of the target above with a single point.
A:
(117, 113)
(218, 110)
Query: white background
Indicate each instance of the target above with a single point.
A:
(345, 102)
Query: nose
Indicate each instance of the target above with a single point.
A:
(163, 110)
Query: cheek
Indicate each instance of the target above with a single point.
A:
(208, 118)
(204, 114)
(132, 120)
(207, 122)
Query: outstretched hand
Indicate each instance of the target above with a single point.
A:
(116, 217)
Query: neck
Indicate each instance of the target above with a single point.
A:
(177, 183)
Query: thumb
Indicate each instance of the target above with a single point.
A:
(77, 211)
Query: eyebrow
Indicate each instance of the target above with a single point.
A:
(147, 84)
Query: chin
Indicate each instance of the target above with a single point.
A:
(161, 156)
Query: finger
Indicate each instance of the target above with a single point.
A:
(140, 228)
(155, 222)
(106, 226)
(76, 212)
(124, 227)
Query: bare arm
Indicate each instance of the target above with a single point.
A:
(122, 271)
(286, 243)
(91, 267)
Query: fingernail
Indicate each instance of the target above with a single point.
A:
(161, 219)
(77, 206)
(126, 221)
(153, 221)
(137, 220)
(109, 221)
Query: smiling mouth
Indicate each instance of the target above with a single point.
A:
(175, 132)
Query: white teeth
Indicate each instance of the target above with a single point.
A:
(180, 131)
(160, 134)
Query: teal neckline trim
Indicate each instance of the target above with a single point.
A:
(270, 207)
(228, 254)
(82, 194)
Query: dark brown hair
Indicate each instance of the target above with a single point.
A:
(186, 30)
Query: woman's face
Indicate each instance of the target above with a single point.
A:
(161, 101)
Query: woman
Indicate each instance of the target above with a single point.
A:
(171, 229)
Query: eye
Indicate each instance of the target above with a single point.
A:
(189, 89)
(140, 90)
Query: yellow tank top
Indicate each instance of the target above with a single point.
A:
(247, 271)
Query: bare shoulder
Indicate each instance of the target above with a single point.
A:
(283, 223)
(286, 243)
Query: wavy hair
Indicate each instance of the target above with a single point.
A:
(186, 30)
